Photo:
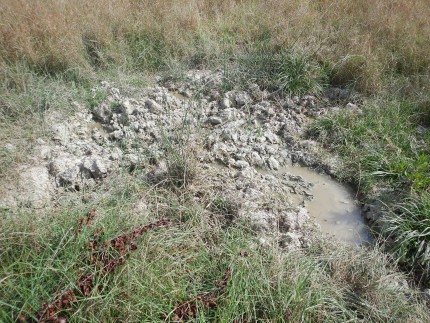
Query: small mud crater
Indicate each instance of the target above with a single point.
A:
(331, 204)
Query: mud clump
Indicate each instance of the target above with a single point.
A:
(241, 130)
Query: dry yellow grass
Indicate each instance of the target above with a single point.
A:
(362, 39)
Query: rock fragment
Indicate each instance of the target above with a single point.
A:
(153, 106)
(103, 113)
(273, 163)
(214, 121)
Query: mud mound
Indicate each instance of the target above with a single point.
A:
(237, 132)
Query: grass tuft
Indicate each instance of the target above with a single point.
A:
(385, 153)
(407, 226)
(363, 45)
(278, 70)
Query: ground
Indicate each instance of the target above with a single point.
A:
(150, 153)
(205, 161)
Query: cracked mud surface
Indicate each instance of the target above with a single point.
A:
(240, 139)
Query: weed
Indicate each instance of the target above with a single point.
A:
(181, 172)
(226, 208)
(407, 227)
(380, 150)
(276, 70)
(93, 48)
(357, 71)
(379, 145)
(297, 74)
(174, 271)
(363, 45)
(148, 51)
(116, 106)
(94, 98)
(181, 164)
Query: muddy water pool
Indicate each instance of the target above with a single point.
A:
(332, 206)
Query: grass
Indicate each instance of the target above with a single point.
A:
(51, 55)
(385, 153)
(24, 105)
(181, 170)
(363, 46)
(282, 71)
(382, 145)
(172, 265)
(407, 226)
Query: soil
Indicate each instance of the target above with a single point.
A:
(256, 137)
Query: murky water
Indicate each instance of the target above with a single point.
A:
(178, 95)
(333, 207)
(99, 127)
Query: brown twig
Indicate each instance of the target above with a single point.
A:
(102, 259)
(188, 310)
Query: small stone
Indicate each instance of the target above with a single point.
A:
(289, 103)
(271, 137)
(45, 152)
(116, 154)
(308, 101)
(351, 106)
(64, 168)
(69, 176)
(243, 138)
(296, 220)
(95, 167)
(262, 241)
(256, 159)
(153, 106)
(10, 147)
(60, 132)
(245, 173)
(228, 134)
(241, 164)
(225, 103)
(228, 114)
(302, 217)
(242, 98)
(188, 93)
(127, 107)
(135, 125)
(35, 186)
(117, 134)
(273, 163)
(214, 121)
(131, 160)
(290, 239)
(123, 119)
(103, 113)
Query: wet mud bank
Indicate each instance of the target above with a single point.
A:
(256, 135)
(332, 205)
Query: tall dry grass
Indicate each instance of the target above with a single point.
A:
(362, 40)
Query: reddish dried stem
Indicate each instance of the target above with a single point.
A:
(102, 260)
(188, 310)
